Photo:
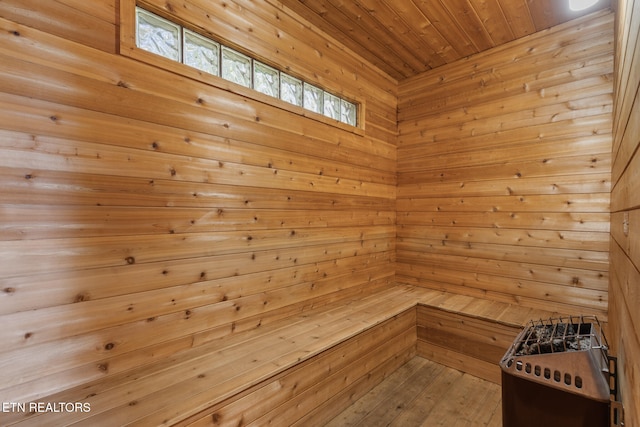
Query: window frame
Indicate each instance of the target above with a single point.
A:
(128, 47)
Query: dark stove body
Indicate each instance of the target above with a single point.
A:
(556, 374)
(529, 404)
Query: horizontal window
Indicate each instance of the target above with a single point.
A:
(163, 37)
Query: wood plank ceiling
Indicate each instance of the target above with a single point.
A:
(407, 37)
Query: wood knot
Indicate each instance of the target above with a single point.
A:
(15, 33)
(130, 260)
(109, 346)
(81, 297)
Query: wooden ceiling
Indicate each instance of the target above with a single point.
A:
(408, 37)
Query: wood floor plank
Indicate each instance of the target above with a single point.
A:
(354, 414)
(426, 393)
(429, 400)
(402, 396)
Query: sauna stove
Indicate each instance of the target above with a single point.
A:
(558, 373)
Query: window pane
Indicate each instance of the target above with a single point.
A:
(266, 79)
(331, 106)
(290, 89)
(348, 113)
(313, 98)
(236, 67)
(201, 53)
(157, 35)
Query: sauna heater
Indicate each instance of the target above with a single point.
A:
(558, 373)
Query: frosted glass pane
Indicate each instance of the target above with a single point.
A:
(201, 53)
(157, 35)
(331, 106)
(236, 67)
(290, 89)
(313, 98)
(266, 79)
(348, 113)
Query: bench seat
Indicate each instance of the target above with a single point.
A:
(303, 368)
(169, 390)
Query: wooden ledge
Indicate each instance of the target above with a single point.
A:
(481, 308)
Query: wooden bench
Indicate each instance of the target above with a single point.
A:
(302, 369)
(470, 334)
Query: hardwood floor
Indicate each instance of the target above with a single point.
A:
(424, 393)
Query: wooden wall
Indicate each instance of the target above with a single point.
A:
(624, 288)
(143, 212)
(504, 163)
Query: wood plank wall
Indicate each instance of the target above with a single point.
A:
(624, 290)
(143, 212)
(504, 163)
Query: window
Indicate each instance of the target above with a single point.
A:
(172, 41)
(266, 79)
(201, 53)
(313, 98)
(291, 89)
(157, 35)
(331, 106)
(236, 67)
